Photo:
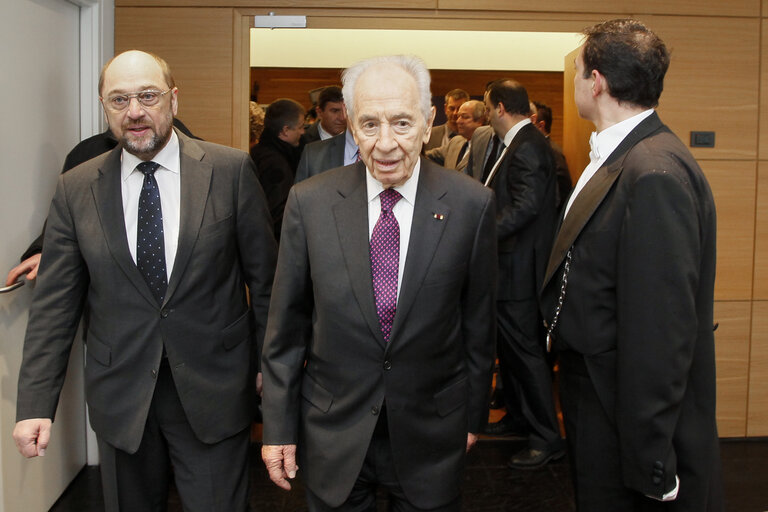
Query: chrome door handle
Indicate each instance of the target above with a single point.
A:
(17, 284)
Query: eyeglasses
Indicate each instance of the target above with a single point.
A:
(148, 98)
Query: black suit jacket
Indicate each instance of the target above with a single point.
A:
(205, 322)
(311, 133)
(638, 307)
(321, 155)
(434, 374)
(524, 184)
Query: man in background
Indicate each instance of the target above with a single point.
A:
(564, 185)
(277, 154)
(441, 134)
(523, 179)
(331, 116)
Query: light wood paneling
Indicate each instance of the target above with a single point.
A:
(763, 133)
(733, 185)
(757, 417)
(198, 45)
(761, 234)
(618, 7)
(328, 4)
(712, 86)
(732, 357)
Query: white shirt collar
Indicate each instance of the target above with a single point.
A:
(603, 143)
(407, 189)
(320, 131)
(168, 158)
(513, 131)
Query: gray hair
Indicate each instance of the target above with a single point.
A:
(478, 109)
(411, 64)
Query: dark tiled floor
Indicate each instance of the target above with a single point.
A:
(489, 485)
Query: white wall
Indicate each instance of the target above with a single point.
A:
(44, 116)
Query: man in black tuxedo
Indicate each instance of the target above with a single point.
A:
(379, 350)
(164, 239)
(633, 266)
(523, 178)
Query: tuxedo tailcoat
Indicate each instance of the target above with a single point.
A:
(205, 324)
(321, 155)
(638, 314)
(327, 368)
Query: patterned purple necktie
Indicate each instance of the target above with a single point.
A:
(150, 241)
(385, 260)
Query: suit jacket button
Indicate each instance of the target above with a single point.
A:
(164, 313)
(656, 480)
(387, 365)
(374, 410)
(658, 465)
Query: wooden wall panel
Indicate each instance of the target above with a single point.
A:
(197, 43)
(733, 186)
(757, 416)
(732, 358)
(617, 7)
(763, 133)
(712, 87)
(760, 287)
(326, 4)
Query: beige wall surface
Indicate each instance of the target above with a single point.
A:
(718, 81)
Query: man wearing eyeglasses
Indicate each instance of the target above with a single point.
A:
(159, 237)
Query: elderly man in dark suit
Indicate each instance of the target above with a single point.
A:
(628, 293)
(159, 237)
(523, 178)
(379, 349)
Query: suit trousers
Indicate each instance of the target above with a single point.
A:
(525, 373)
(593, 446)
(378, 471)
(209, 477)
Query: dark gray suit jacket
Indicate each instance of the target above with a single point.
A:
(205, 323)
(639, 309)
(320, 156)
(480, 140)
(434, 374)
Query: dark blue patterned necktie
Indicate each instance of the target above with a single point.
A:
(385, 260)
(150, 241)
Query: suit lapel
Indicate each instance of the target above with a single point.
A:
(195, 185)
(107, 193)
(351, 215)
(593, 194)
(426, 231)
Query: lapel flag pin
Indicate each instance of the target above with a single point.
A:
(438, 216)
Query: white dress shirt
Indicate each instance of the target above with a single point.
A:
(601, 146)
(323, 134)
(403, 211)
(168, 179)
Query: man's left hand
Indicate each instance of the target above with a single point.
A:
(471, 440)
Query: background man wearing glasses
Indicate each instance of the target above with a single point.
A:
(159, 237)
